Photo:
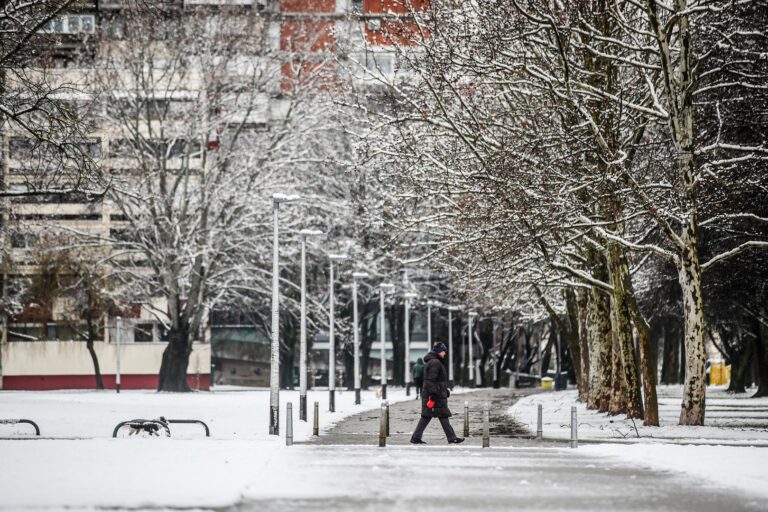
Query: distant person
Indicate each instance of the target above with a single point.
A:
(418, 375)
(434, 396)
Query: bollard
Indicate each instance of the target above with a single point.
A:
(383, 426)
(466, 419)
(539, 424)
(387, 405)
(574, 428)
(316, 420)
(213, 376)
(289, 425)
(486, 426)
(302, 407)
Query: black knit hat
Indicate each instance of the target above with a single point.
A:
(439, 347)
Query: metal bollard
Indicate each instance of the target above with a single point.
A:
(574, 429)
(383, 426)
(466, 419)
(486, 426)
(302, 407)
(387, 406)
(539, 425)
(316, 420)
(289, 425)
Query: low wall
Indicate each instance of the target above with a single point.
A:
(67, 365)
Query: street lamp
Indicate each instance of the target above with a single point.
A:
(451, 309)
(304, 234)
(471, 363)
(274, 366)
(382, 288)
(332, 258)
(355, 277)
(407, 366)
(430, 303)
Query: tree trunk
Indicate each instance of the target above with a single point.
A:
(618, 399)
(740, 369)
(670, 363)
(605, 358)
(94, 357)
(173, 369)
(622, 327)
(585, 347)
(761, 357)
(694, 389)
(647, 361)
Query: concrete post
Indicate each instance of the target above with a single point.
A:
(383, 426)
(289, 425)
(574, 429)
(539, 424)
(316, 420)
(466, 419)
(387, 406)
(486, 426)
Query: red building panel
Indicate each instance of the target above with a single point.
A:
(51, 382)
(394, 6)
(308, 6)
(307, 36)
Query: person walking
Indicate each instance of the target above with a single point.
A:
(418, 376)
(434, 396)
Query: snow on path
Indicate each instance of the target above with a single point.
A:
(738, 467)
(86, 468)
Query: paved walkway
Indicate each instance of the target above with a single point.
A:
(345, 470)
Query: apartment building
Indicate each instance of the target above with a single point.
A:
(43, 346)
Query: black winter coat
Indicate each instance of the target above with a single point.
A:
(435, 386)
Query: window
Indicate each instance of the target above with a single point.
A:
(143, 332)
(72, 24)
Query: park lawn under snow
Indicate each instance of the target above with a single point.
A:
(77, 463)
(730, 419)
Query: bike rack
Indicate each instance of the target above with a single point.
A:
(15, 422)
(191, 422)
(160, 423)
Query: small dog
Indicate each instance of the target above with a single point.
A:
(147, 427)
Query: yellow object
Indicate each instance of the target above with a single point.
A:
(719, 374)
(547, 383)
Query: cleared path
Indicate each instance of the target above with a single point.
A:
(344, 470)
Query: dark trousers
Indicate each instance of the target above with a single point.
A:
(423, 422)
(419, 383)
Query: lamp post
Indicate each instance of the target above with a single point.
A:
(383, 287)
(451, 309)
(333, 258)
(430, 303)
(118, 333)
(304, 234)
(470, 361)
(356, 328)
(274, 366)
(407, 366)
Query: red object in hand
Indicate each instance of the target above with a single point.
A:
(430, 403)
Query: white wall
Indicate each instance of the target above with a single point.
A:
(72, 358)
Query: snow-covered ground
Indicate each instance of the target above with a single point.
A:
(731, 419)
(731, 449)
(79, 465)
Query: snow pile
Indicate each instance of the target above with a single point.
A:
(729, 419)
(80, 465)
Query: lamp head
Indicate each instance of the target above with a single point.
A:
(338, 257)
(473, 314)
(360, 275)
(387, 286)
(284, 198)
(411, 295)
(310, 232)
